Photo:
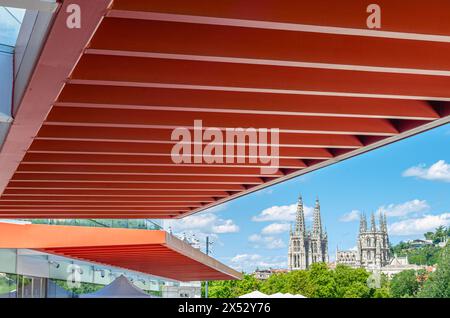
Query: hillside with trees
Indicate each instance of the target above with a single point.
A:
(425, 255)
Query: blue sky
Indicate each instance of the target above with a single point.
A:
(409, 180)
(9, 27)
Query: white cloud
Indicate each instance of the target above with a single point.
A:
(202, 223)
(227, 226)
(281, 213)
(439, 171)
(403, 209)
(249, 262)
(269, 242)
(245, 257)
(275, 243)
(276, 228)
(255, 238)
(350, 216)
(419, 225)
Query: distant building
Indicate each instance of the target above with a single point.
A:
(349, 258)
(182, 290)
(399, 264)
(263, 274)
(307, 247)
(419, 243)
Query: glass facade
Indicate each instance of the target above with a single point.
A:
(31, 274)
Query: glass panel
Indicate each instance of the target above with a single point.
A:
(31, 287)
(8, 285)
(10, 22)
(8, 260)
(111, 223)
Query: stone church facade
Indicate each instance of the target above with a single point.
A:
(307, 246)
(372, 249)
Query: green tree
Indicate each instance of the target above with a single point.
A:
(351, 282)
(299, 283)
(322, 280)
(382, 292)
(438, 283)
(232, 288)
(276, 283)
(356, 290)
(427, 255)
(440, 234)
(404, 284)
(248, 284)
(400, 249)
(429, 236)
(84, 288)
(220, 289)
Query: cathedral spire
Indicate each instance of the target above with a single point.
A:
(384, 223)
(373, 226)
(317, 225)
(362, 223)
(381, 221)
(300, 218)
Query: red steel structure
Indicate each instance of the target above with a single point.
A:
(91, 136)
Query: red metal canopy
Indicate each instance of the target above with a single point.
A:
(150, 252)
(92, 136)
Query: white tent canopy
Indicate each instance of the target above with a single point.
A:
(254, 294)
(258, 294)
(287, 295)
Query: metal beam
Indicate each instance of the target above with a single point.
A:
(400, 20)
(63, 48)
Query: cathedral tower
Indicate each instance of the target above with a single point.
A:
(373, 243)
(307, 247)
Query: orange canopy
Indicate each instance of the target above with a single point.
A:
(151, 252)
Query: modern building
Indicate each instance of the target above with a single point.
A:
(35, 255)
(307, 246)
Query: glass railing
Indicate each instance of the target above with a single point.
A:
(143, 224)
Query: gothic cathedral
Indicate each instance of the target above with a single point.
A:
(307, 247)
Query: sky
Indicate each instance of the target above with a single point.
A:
(9, 26)
(408, 180)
